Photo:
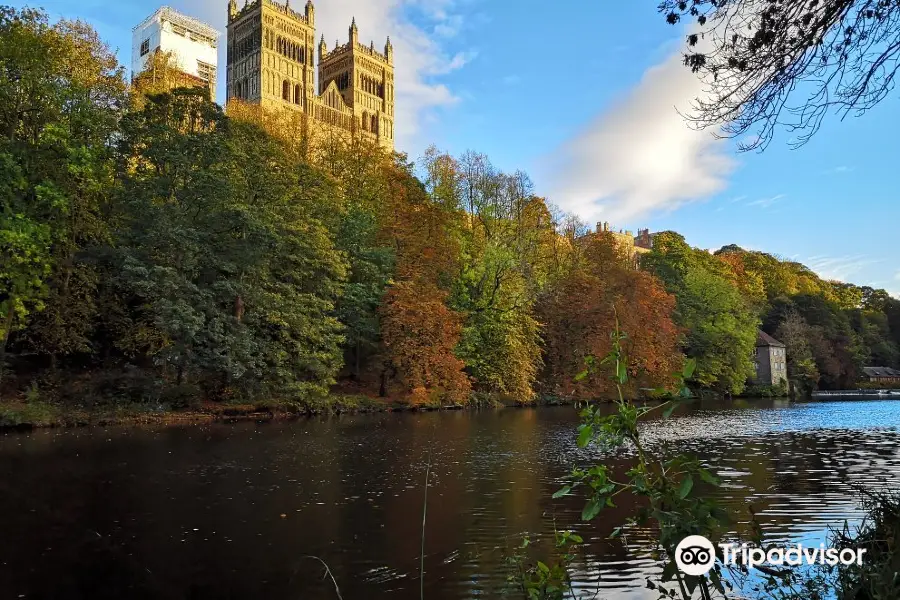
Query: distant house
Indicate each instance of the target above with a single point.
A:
(771, 360)
(881, 375)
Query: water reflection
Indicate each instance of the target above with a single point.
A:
(236, 511)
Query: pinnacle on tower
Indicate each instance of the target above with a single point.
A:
(389, 50)
(310, 12)
(232, 8)
(323, 49)
(354, 31)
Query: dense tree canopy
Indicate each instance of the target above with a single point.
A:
(155, 249)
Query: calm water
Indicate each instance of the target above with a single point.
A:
(234, 511)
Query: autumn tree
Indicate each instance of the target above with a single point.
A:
(419, 331)
(579, 312)
(420, 334)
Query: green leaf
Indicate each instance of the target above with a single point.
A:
(709, 477)
(686, 486)
(689, 366)
(543, 568)
(622, 373)
(585, 435)
(591, 509)
(580, 376)
(562, 492)
(668, 412)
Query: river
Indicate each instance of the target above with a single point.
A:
(238, 510)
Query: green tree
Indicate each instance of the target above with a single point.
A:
(794, 332)
(232, 279)
(61, 92)
(720, 325)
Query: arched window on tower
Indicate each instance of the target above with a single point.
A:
(297, 96)
(365, 121)
(286, 91)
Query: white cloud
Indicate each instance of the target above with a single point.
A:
(897, 276)
(640, 156)
(766, 202)
(459, 60)
(839, 170)
(839, 268)
(419, 56)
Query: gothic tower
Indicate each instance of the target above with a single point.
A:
(365, 79)
(271, 63)
(270, 54)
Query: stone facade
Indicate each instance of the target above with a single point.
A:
(771, 360)
(632, 246)
(271, 63)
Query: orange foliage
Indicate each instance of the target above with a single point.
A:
(579, 313)
(419, 333)
(419, 230)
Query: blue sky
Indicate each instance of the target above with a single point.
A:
(582, 96)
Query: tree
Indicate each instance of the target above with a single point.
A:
(720, 324)
(771, 64)
(578, 312)
(420, 334)
(61, 93)
(231, 279)
(794, 332)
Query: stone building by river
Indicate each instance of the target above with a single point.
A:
(271, 63)
(770, 360)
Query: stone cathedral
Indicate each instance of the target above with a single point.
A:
(270, 63)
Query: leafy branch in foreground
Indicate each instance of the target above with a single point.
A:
(667, 485)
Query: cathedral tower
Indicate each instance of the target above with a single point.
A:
(271, 51)
(270, 54)
(365, 79)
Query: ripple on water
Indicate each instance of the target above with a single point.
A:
(350, 491)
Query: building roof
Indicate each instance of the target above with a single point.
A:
(170, 14)
(764, 339)
(881, 372)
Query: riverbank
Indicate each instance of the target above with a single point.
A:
(22, 414)
(39, 414)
